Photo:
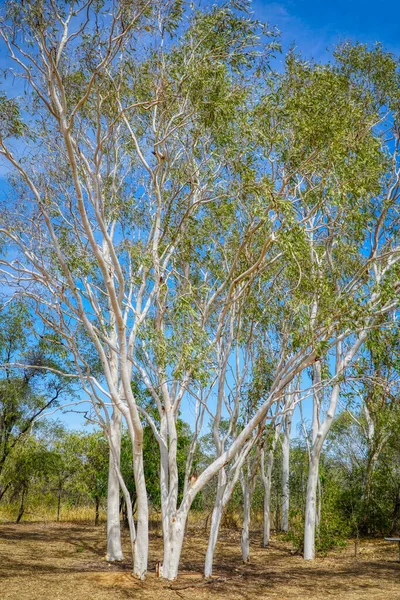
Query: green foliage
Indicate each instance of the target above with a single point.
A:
(11, 124)
(28, 390)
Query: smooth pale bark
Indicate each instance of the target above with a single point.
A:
(114, 548)
(266, 476)
(248, 483)
(139, 534)
(173, 546)
(319, 507)
(267, 515)
(215, 523)
(245, 537)
(242, 445)
(311, 510)
(285, 472)
(141, 544)
(173, 524)
(174, 519)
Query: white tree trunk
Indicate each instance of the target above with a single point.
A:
(285, 472)
(267, 480)
(173, 546)
(141, 544)
(267, 515)
(285, 487)
(311, 509)
(245, 538)
(215, 523)
(319, 507)
(114, 548)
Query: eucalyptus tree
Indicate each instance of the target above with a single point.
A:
(164, 175)
(331, 137)
(368, 248)
(122, 156)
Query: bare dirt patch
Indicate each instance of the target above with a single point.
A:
(66, 562)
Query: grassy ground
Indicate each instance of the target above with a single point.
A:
(66, 561)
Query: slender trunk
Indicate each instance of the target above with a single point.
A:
(114, 548)
(124, 513)
(311, 509)
(267, 511)
(22, 505)
(245, 538)
(215, 523)
(96, 518)
(266, 476)
(164, 475)
(3, 490)
(285, 475)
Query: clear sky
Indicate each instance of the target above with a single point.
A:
(315, 26)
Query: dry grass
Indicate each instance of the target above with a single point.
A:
(42, 513)
(66, 562)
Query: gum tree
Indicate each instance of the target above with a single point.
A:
(123, 145)
(165, 178)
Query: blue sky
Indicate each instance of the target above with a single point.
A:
(316, 26)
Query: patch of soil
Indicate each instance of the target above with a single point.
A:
(67, 562)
